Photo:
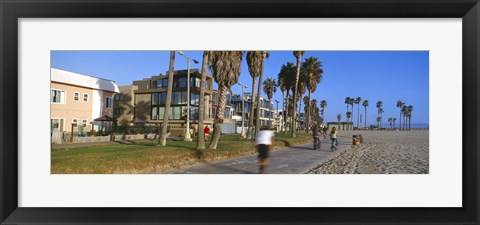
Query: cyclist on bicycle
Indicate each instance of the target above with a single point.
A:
(316, 137)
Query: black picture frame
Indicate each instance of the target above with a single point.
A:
(11, 11)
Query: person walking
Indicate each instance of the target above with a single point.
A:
(333, 137)
(264, 141)
(206, 131)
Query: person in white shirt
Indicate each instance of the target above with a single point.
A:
(264, 141)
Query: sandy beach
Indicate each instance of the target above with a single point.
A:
(383, 152)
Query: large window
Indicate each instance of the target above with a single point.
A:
(195, 82)
(119, 97)
(180, 82)
(108, 102)
(194, 99)
(57, 96)
(179, 97)
(57, 124)
(118, 111)
(162, 83)
(193, 113)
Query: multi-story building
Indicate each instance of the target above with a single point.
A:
(266, 110)
(145, 99)
(77, 99)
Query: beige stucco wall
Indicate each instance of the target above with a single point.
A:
(72, 109)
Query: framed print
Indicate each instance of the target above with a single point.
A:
(425, 49)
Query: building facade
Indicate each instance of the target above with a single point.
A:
(266, 110)
(145, 99)
(77, 99)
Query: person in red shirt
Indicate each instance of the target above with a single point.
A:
(206, 131)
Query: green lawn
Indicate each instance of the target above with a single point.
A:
(146, 157)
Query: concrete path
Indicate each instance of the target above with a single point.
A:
(289, 160)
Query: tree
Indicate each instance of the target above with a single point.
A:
(351, 102)
(201, 106)
(312, 68)
(400, 104)
(409, 116)
(269, 87)
(163, 137)
(390, 121)
(365, 104)
(347, 102)
(323, 105)
(394, 119)
(286, 81)
(225, 67)
(298, 55)
(302, 88)
(339, 117)
(349, 115)
(265, 55)
(379, 106)
(379, 120)
(357, 101)
(404, 113)
(254, 62)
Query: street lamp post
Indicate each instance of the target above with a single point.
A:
(243, 111)
(187, 130)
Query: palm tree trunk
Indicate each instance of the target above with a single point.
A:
(358, 115)
(308, 111)
(283, 112)
(166, 113)
(299, 110)
(287, 122)
(295, 97)
(351, 118)
(400, 122)
(252, 108)
(270, 114)
(217, 125)
(201, 106)
(259, 92)
(365, 117)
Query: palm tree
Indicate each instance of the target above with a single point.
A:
(357, 101)
(365, 104)
(254, 62)
(286, 81)
(379, 106)
(352, 101)
(298, 55)
(339, 117)
(394, 119)
(201, 106)
(163, 136)
(404, 112)
(225, 67)
(390, 121)
(313, 107)
(380, 114)
(379, 120)
(409, 110)
(265, 55)
(312, 68)
(323, 105)
(269, 87)
(302, 88)
(400, 104)
(349, 115)
(347, 102)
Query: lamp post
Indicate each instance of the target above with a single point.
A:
(243, 111)
(187, 130)
(276, 101)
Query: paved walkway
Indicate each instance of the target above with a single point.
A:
(289, 160)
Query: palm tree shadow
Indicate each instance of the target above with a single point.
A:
(286, 143)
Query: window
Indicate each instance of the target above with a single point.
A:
(118, 111)
(119, 97)
(154, 115)
(162, 83)
(155, 98)
(74, 122)
(76, 96)
(194, 99)
(195, 82)
(179, 97)
(85, 97)
(180, 82)
(84, 122)
(193, 113)
(57, 124)
(108, 102)
(58, 96)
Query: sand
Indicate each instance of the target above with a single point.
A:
(383, 152)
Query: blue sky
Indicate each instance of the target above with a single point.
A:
(385, 76)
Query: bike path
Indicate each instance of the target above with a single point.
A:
(288, 160)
